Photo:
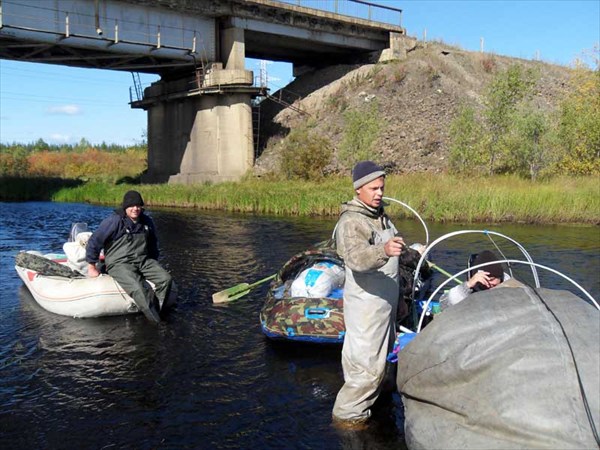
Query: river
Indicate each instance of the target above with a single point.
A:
(206, 377)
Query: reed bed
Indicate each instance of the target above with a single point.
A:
(441, 198)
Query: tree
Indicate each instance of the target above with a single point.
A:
(579, 126)
(466, 137)
(503, 95)
(529, 142)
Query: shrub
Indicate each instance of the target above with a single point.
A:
(14, 163)
(579, 127)
(488, 62)
(305, 155)
(362, 128)
(465, 141)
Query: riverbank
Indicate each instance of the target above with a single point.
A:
(437, 198)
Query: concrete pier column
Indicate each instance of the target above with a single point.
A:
(233, 48)
(203, 133)
(220, 141)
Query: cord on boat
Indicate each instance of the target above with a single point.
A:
(581, 388)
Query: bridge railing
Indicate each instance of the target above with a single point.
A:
(353, 8)
(177, 37)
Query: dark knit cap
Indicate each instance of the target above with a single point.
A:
(496, 270)
(132, 198)
(364, 172)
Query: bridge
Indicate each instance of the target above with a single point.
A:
(200, 124)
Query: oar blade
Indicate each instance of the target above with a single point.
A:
(239, 295)
(235, 292)
(231, 293)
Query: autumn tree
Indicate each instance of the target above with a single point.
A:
(579, 125)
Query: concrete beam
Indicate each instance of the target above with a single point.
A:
(233, 49)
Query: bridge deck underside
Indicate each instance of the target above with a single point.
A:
(67, 55)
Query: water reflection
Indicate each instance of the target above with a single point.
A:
(206, 377)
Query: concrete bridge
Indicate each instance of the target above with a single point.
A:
(200, 111)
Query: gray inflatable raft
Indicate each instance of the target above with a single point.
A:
(512, 367)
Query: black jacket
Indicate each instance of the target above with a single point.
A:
(114, 227)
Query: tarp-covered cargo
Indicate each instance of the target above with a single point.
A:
(511, 367)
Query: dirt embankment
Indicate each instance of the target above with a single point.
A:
(417, 98)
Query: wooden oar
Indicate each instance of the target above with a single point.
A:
(238, 291)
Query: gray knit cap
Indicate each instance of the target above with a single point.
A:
(364, 172)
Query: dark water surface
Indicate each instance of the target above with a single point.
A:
(206, 377)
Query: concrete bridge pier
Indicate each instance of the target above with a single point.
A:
(200, 126)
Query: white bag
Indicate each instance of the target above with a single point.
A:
(75, 252)
(318, 280)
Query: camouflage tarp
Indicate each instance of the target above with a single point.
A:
(300, 318)
(44, 266)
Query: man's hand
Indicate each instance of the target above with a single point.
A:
(92, 271)
(394, 246)
(480, 277)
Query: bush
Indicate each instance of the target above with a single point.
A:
(579, 127)
(305, 155)
(361, 131)
(14, 164)
(466, 142)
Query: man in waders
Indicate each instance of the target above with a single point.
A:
(130, 245)
(366, 240)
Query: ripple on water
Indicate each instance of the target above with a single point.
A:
(206, 377)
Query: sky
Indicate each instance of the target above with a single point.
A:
(63, 105)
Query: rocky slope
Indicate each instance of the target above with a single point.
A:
(417, 99)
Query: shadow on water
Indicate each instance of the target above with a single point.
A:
(19, 189)
(206, 377)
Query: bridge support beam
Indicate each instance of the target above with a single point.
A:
(202, 138)
(200, 129)
(219, 146)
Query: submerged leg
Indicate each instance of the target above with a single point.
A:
(152, 271)
(132, 282)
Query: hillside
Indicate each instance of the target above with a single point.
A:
(417, 98)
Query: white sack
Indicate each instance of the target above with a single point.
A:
(75, 252)
(318, 280)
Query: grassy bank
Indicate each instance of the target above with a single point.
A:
(441, 198)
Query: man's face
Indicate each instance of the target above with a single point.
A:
(371, 193)
(133, 212)
(494, 281)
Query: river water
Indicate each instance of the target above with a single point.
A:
(206, 377)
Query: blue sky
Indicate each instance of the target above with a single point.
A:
(64, 105)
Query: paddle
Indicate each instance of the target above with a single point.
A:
(238, 291)
(443, 272)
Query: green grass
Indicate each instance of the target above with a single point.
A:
(441, 198)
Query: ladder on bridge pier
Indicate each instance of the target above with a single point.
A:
(256, 114)
(256, 127)
(137, 88)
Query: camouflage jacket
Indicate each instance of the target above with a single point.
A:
(355, 236)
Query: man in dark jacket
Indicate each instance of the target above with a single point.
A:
(130, 245)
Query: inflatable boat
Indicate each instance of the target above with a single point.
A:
(302, 318)
(314, 310)
(514, 366)
(60, 290)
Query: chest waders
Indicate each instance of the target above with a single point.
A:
(128, 263)
(370, 303)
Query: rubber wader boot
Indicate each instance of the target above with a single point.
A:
(149, 308)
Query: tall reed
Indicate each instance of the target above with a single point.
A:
(443, 198)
